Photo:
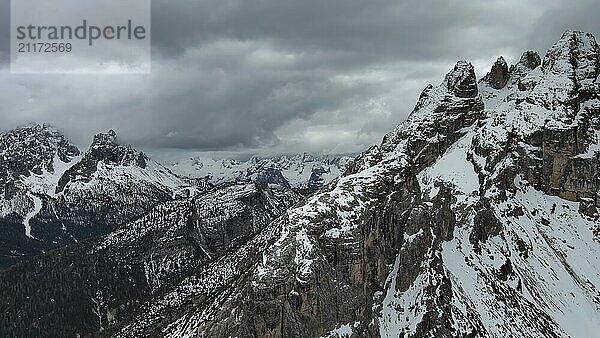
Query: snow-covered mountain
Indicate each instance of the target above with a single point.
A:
(53, 195)
(303, 171)
(476, 217)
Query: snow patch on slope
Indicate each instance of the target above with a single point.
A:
(401, 313)
(47, 182)
(344, 331)
(37, 207)
(454, 168)
(559, 273)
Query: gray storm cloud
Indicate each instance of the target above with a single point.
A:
(284, 76)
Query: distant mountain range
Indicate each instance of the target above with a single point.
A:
(304, 172)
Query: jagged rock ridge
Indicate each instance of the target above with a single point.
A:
(498, 77)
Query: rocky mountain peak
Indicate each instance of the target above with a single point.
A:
(32, 149)
(436, 121)
(461, 80)
(499, 75)
(109, 138)
(530, 60)
(104, 149)
(576, 54)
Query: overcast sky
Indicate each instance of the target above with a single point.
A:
(284, 76)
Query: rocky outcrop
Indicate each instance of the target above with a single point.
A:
(499, 75)
(529, 61)
(556, 167)
(485, 225)
(461, 80)
(103, 149)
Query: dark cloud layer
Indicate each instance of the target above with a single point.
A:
(283, 75)
(576, 15)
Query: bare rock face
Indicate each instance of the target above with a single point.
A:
(560, 170)
(499, 75)
(461, 80)
(530, 60)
